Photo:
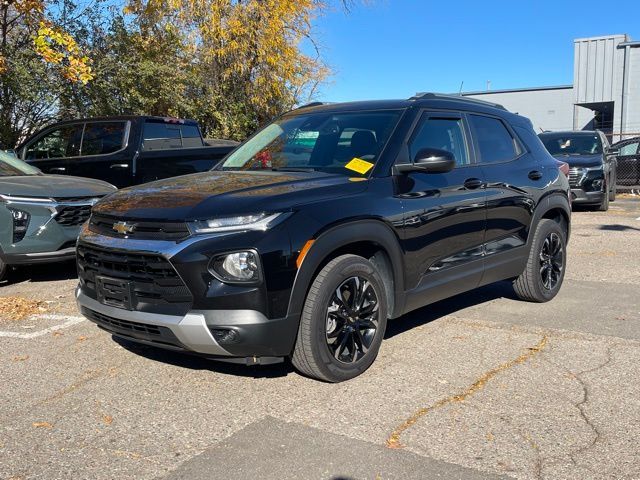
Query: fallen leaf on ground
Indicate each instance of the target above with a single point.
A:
(42, 425)
(82, 338)
(19, 308)
(57, 333)
(20, 358)
(107, 419)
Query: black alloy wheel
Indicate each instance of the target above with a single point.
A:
(352, 319)
(551, 261)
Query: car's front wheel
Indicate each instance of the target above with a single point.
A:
(3, 270)
(343, 321)
(544, 273)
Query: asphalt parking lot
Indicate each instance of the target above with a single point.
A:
(478, 386)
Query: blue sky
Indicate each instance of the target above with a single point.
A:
(394, 48)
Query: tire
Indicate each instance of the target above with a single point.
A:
(604, 206)
(612, 191)
(3, 270)
(532, 284)
(333, 342)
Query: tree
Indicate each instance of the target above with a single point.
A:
(35, 54)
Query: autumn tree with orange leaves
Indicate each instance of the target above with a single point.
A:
(230, 64)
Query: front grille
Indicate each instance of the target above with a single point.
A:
(148, 282)
(144, 230)
(576, 175)
(73, 215)
(134, 330)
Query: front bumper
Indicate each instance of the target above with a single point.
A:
(62, 255)
(579, 196)
(257, 338)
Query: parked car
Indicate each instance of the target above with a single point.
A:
(323, 225)
(124, 151)
(40, 215)
(592, 165)
(628, 160)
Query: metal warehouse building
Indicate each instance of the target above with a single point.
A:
(605, 93)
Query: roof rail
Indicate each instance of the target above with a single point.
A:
(312, 104)
(444, 96)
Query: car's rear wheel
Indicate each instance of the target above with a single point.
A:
(544, 273)
(343, 321)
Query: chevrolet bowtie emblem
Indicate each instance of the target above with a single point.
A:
(123, 227)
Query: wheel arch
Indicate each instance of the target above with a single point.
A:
(555, 207)
(371, 239)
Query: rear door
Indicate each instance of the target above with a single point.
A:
(51, 150)
(514, 180)
(103, 153)
(444, 213)
(162, 141)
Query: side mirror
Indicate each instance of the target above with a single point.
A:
(430, 160)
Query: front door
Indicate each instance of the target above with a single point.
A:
(51, 150)
(444, 213)
(104, 154)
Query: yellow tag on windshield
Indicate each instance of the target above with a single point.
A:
(358, 165)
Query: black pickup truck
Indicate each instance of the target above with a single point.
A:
(123, 151)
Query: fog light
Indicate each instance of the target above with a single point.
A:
(224, 335)
(241, 267)
(20, 223)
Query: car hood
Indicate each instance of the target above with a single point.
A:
(581, 160)
(57, 186)
(217, 193)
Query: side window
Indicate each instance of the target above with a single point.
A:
(443, 134)
(161, 136)
(101, 138)
(59, 143)
(191, 136)
(494, 140)
(631, 149)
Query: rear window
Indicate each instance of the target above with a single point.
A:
(101, 138)
(495, 142)
(163, 136)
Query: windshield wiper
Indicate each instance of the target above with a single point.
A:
(294, 169)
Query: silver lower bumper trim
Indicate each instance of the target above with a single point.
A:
(191, 330)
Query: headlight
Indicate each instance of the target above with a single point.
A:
(20, 223)
(240, 267)
(259, 221)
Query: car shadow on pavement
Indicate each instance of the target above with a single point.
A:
(448, 306)
(195, 362)
(618, 228)
(42, 273)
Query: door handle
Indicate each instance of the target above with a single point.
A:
(535, 175)
(119, 165)
(57, 169)
(472, 183)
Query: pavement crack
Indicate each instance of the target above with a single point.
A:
(393, 441)
(581, 405)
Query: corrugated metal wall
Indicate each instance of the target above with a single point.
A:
(598, 65)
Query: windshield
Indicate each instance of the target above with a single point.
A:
(572, 144)
(11, 166)
(347, 143)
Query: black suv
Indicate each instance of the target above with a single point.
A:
(326, 223)
(592, 165)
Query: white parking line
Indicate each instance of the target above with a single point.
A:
(69, 322)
